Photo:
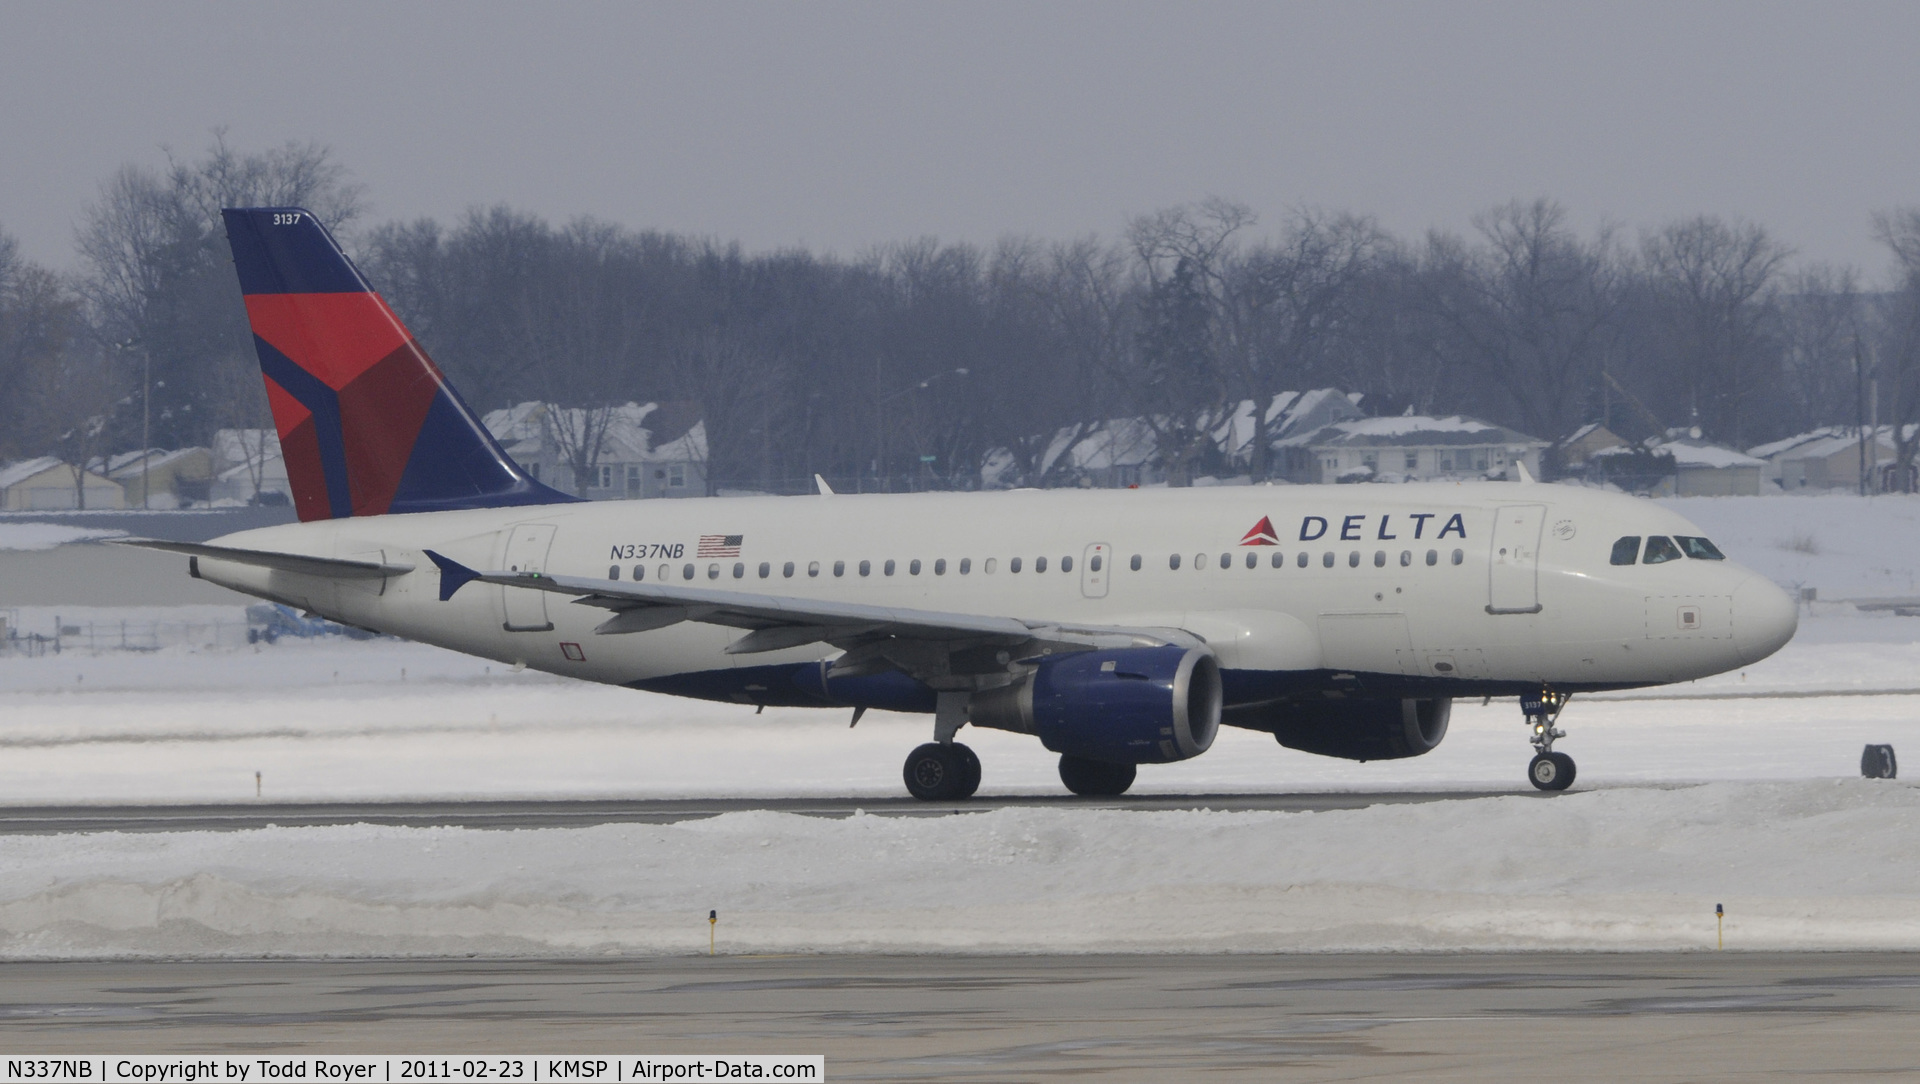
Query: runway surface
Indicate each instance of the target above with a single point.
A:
(236, 816)
(1699, 1016)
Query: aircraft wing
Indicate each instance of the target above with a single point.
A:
(920, 641)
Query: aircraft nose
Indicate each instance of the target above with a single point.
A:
(1764, 619)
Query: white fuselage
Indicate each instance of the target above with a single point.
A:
(1441, 589)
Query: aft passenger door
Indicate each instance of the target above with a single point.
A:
(526, 551)
(1096, 567)
(1513, 560)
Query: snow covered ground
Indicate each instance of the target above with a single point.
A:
(1742, 790)
(45, 536)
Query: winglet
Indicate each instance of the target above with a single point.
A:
(825, 489)
(453, 574)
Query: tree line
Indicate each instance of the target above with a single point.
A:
(907, 365)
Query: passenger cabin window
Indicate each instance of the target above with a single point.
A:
(1093, 563)
(1353, 558)
(939, 566)
(1458, 556)
(686, 572)
(1066, 564)
(1433, 557)
(813, 568)
(1626, 550)
(1135, 563)
(1406, 558)
(888, 567)
(766, 570)
(613, 573)
(1253, 559)
(1039, 564)
(1226, 560)
(839, 568)
(988, 567)
(1660, 550)
(866, 568)
(1699, 548)
(966, 565)
(1279, 559)
(1173, 561)
(786, 570)
(1326, 559)
(639, 572)
(1302, 562)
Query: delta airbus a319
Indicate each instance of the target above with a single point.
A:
(1119, 628)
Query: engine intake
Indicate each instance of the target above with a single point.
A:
(1144, 705)
(1357, 729)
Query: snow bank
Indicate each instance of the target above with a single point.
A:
(45, 536)
(1827, 865)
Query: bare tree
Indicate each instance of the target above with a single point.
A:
(1714, 283)
(1183, 383)
(1898, 368)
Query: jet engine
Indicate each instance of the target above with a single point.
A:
(1356, 729)
(1142, 705)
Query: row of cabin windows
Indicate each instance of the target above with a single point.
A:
(1303, 559)
(1661, 549)
(965, 565)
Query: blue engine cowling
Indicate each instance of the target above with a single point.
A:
(1141, 705)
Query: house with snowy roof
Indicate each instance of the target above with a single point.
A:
(248, 469)
(1830, 457)
(1580, 445)
(1120, 452)
(159, 477)
(1700, 467)
(638, 450)
(46, 484)
(1416, 448)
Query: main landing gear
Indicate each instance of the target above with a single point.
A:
(943, 770)
(1549, 770)
(937, 772)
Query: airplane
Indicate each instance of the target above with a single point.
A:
(1119, 627)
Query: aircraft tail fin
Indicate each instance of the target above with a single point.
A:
(368, 424)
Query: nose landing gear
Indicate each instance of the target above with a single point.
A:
(1548, 770)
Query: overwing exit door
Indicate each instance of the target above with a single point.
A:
(526, 551)
(1513, 560)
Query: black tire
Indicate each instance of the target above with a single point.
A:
(966, 770)
(1095, 778)
(1876, 762)
(1551, 771)
(932, 773)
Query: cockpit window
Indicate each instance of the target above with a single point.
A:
(1660, 549)
(1626, 549)
(1699, 548)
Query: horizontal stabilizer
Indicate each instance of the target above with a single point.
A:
(453, 574)
(332, 568)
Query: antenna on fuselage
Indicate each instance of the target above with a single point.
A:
(1521, 466)
(825, 489)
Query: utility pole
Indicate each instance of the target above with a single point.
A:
(146, 424)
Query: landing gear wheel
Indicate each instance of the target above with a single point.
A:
(968, 764)
(1551, 771)
(1095, 778)
(941, 773)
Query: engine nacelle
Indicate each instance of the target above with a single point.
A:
(1141, 705)
(1358, 729)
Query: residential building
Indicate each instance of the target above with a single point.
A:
(46, 484)
(643, 450)
(248, 469)
(1416, 448)
(158, 478)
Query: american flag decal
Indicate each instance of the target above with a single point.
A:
(719, 545)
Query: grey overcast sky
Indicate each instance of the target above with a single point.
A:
(837, 126)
